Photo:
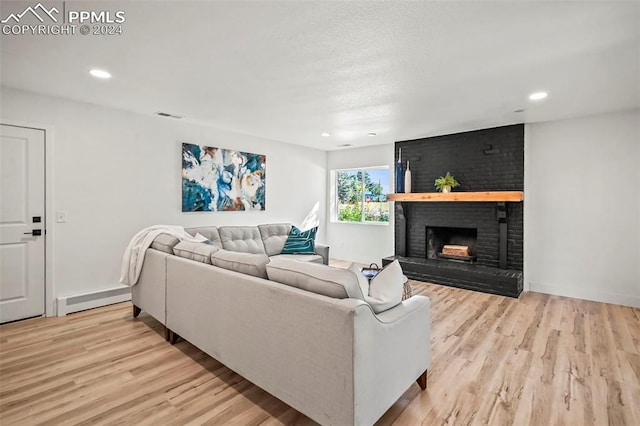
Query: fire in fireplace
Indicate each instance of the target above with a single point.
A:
(449, 243)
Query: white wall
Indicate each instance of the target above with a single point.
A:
(115, 172)
(582, 208)
(363, 243)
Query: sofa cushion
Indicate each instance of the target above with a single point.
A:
(245, 263)
(274, 236)
(321, 279)
(165, 243)
(209, 232)
(244, 239)
(300, 242)
(385, 289)
(315, 258)
(200, 252)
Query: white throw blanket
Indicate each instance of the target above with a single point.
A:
(134, 254)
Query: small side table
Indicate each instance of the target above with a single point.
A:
(407, 292)
(406, 288)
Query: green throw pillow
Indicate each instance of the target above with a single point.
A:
(300, 242)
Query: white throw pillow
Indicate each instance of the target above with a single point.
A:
(362, 280)
(385, 289)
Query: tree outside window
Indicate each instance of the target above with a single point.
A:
(362, 195)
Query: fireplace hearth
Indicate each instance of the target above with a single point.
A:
(505, 282)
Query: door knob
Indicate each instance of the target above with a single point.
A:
(35, 232)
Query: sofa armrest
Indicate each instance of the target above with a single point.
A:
(149, 294)
(391, 350)
(323, 251)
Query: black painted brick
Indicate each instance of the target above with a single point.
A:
(463, 155)
(471, 277)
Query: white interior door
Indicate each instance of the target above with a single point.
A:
(22, 215)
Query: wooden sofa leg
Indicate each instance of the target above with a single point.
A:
(167, 333)
(422, 380)
(136, 311)
(173, 337)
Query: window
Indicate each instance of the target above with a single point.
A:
(361, 195)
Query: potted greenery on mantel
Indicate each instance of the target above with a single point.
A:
(445, 183)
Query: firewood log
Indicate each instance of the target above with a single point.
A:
(453, 250)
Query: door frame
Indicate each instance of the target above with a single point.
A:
(49, 299)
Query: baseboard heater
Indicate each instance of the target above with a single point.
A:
(82, 302)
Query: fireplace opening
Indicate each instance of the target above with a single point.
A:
(448, 243)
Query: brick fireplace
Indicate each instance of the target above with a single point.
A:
(489, 160)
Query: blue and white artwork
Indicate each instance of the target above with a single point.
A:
(217, 179)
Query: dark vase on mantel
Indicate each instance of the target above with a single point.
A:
(399, 174)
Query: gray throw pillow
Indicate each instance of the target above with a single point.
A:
(200, 252)
(165, 243)
(245, 263)
(317, 278)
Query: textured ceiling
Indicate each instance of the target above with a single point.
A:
(289, 71)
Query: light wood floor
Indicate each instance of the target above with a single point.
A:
(539, 360)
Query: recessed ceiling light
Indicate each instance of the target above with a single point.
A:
(538, 96)
(326, 134)
(371, 134)
(100, 73)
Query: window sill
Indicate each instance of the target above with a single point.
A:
(361, 223)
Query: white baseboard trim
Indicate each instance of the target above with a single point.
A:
(82, 302)
(587, 294)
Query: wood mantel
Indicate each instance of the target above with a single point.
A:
(499, 196)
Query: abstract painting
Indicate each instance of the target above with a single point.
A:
(217, 179)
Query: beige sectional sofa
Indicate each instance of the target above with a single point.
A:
(310, 340)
